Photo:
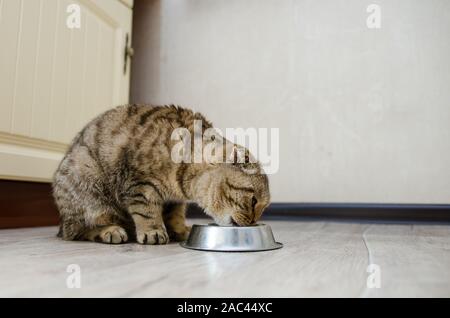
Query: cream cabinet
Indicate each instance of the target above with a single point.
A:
(56, 75)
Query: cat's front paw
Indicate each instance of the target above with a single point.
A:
(179, 235)
(152, 237)
(112, 234)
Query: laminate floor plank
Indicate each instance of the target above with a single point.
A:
(319, 259)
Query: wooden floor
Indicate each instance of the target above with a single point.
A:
(325, 259)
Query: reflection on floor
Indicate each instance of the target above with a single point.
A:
(318, 259)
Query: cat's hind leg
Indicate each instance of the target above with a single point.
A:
(86, 211)
(106, 227)
(175, 220)
(86, 225)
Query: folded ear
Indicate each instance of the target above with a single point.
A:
(234, 155)
(238, 155)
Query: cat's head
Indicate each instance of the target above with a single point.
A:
(237, 194)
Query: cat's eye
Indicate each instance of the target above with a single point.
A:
(254, 202)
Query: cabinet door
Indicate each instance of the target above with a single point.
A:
(56, 76)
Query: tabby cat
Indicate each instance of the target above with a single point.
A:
(117, 182)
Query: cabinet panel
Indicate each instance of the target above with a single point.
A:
(55, 78)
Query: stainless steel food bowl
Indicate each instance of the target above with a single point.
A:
(231, 238)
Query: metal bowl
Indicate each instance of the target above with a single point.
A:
(231, 238)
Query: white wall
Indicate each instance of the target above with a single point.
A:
(364, 114)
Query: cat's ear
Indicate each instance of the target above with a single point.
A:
(247, 157)
(234, 156)
(241, 156)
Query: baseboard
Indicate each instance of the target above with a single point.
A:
(362, 211)
(26, 204)
(29, 204)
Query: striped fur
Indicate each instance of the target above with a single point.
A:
(117, 180)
